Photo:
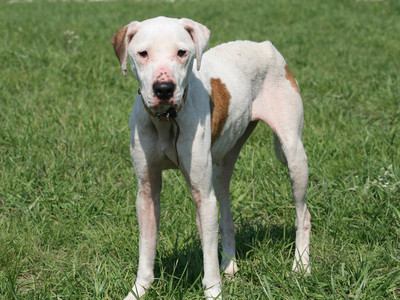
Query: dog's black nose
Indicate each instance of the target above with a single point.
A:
(164, 90)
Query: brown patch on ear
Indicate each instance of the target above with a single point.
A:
(219, 104)
(289, 76)
(120, 44)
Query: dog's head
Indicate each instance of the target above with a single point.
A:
(161, 52)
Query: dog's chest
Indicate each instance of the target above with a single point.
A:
(167, 134)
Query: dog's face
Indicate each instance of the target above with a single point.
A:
(161, 52)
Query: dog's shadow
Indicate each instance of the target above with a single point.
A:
(184, 265)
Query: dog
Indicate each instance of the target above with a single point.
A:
(194, 111)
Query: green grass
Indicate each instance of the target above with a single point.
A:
(68, 227)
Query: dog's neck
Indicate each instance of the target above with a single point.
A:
(169, 115)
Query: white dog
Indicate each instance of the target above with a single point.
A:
(197, 119)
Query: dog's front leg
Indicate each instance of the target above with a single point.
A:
(207, 222)
(199, 180)
(148, 213)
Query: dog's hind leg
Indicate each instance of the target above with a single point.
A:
(296, 160)
(278, 150)
(279, 105)
(222, 173)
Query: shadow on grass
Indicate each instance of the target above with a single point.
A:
(184, 264)
(252, 233)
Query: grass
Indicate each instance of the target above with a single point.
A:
(68, 228)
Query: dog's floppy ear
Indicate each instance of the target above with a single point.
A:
(121, 40)
(200, 35)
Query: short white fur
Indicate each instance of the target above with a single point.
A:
(256, 77)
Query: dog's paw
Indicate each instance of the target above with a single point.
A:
(137, 292)
(299, 267)
(229, 268)
(130, 297)
(213, 292)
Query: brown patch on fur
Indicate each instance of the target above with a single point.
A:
(120, 44)
(289, 76)
(219, 104)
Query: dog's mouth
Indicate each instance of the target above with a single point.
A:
(161, 105)
(155, 103)
(164, 101)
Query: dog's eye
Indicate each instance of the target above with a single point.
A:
(143, 54)
(182, 53)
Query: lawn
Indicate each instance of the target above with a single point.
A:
(68, 226)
